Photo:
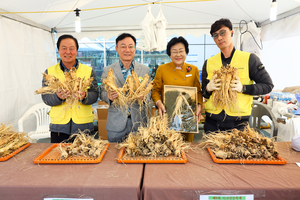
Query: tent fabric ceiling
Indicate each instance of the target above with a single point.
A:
(111, 21)
(289, 27)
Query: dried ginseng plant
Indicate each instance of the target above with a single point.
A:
(154, 140)
(225, 97)
(71, 83)
(236, 144)
(133, 90)
(11, 140)
(84, 145)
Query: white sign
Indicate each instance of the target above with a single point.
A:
(227, 197)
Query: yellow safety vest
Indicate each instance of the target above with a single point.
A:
(239, 60)
(79, 113)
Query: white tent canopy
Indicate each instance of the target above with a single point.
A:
(27, 47)
(109, 18)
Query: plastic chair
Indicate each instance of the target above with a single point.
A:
(42, 121)
(259, 110)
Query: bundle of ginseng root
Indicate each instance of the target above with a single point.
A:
(225, 97)
(83, 145)
(131, 91)
(11, 140)
(155, 140)
(71, 83)
(236, 144)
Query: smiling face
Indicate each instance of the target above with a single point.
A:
(178, 54)
(68, 51)
(223, 37)
(126, 49)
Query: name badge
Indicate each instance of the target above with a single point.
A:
(188, 75)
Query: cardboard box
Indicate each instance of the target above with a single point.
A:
(102, 129)
(102, 112)
(290, 89)
(153, 111)
(102, 103)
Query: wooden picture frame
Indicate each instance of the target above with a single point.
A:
(184, 121)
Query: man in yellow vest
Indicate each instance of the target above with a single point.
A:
(250, 70)
(67, 121)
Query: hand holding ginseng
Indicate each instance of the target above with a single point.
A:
(199, 109)
(80, 95)
(161, 109)
(63, 94)
(67, 87)
(236, 85)
(112, 95)
(214, 84)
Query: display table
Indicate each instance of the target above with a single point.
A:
(200, 175)
(22, 179)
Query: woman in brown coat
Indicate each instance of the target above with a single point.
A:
(176, 73)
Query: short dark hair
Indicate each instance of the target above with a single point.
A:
(219, 24)
(65, 37)
(123, 36)
(176, 40)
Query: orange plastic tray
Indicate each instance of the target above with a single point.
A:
(4, 158)
(52, 156)
(279, 161)
(145, 159)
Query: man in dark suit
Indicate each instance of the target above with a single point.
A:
(119, 123)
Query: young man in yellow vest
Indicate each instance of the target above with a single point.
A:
(250, 70)
(67, 121)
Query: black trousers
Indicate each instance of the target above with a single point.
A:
(57, 137)
(211, 125)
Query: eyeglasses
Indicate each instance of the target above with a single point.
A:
(221, 33)
(180, 52)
